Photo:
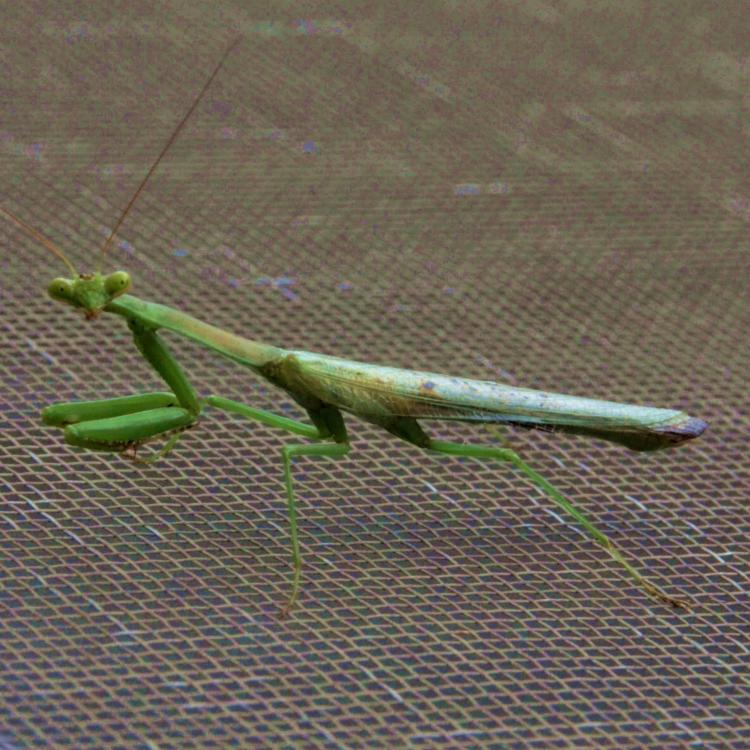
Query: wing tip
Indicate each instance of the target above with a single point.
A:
(659, 437)
(690, 428)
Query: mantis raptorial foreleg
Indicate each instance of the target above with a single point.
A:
(411, 431)
(72, 412)
(157, 354)
(124, 423)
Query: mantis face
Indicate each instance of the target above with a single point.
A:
(90, 292)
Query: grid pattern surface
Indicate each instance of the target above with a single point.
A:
(554, 194)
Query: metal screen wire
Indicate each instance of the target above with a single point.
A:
(548, 194)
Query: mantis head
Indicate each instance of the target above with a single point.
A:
(91, 292)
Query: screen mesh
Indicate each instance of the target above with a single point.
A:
(550, 194)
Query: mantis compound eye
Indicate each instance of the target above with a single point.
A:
(116, 283)
(61, 290)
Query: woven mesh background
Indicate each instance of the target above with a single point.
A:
(551, 193)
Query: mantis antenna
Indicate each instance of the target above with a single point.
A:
(167, 145)
(51, 246)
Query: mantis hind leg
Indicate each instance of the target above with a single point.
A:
(411, 431)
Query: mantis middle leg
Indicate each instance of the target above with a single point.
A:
(328, 424)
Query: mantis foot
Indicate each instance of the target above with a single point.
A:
(130, 452)
(664, 598)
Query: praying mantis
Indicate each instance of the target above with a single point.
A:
(326, 387)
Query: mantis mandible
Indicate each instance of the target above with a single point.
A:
(394, 399)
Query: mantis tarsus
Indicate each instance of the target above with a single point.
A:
(394, 399)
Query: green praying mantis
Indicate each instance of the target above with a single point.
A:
(325, 387)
